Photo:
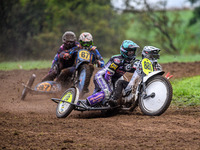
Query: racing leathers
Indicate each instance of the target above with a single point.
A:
(71, 54)
(58, 64)
(97, 58)
(105, 79)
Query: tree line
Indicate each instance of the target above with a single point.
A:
(32, 29)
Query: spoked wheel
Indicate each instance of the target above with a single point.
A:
(28, 86)
(64, 109)
(161, 90)
(83, 78)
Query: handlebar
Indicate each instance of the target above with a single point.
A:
(133, 61)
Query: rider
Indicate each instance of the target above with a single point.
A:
(86, 41)
(62, 58)
(149, 52)
(115, 68)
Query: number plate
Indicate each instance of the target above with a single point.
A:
(84, 55)
(147, 66)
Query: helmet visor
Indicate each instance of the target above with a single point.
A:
(69, 44)
(131, 53)
(154, 54)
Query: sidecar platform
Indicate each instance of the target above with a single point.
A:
(47, 87)
(84, 107)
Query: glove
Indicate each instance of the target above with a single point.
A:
(64, 55)
(100, 63)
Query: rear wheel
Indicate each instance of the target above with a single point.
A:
(161, 98)
(64, 109)
(27, 86)
(83, 78)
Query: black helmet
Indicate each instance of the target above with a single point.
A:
(69, 36)
(150, 52)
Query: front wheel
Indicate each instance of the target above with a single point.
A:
(64, 109)
(83, 78)
(161, 90)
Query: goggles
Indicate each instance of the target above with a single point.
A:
(86, 44)
(153, 54)
(69, 42)
(131, 53)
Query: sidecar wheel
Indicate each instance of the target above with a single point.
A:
(157, 104)
(64, 109)
(29, 84)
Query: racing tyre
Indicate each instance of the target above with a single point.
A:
(63, 108)
(161, 99)
(84, 79)
(28, 85)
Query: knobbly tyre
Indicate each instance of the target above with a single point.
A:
(80, 78)
(152, 93)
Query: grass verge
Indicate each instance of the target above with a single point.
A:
(186, 91)
(40, 64)
(26, 65)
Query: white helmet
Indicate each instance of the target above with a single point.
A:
(86, 39)
(150, 52)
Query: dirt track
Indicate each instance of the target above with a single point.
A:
(32, 123)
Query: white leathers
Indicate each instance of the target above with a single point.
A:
(131, 87)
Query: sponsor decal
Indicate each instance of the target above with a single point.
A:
(117, 60)
(128, 67)
(120, 71)
(113, 66)
(45, 86)
(131, 46)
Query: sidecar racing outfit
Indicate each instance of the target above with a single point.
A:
(150, 52)
(114, 69)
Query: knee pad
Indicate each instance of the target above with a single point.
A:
(106, 93)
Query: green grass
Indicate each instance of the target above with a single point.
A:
(186, 91)
(40, 64)
(26, 65)
(183, 58)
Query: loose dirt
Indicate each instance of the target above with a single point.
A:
(32, 123)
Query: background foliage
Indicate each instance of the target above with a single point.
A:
(32, 29)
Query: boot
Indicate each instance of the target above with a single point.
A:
(83, 101)
(113, 102)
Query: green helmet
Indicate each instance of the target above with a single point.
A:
(128, 49)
